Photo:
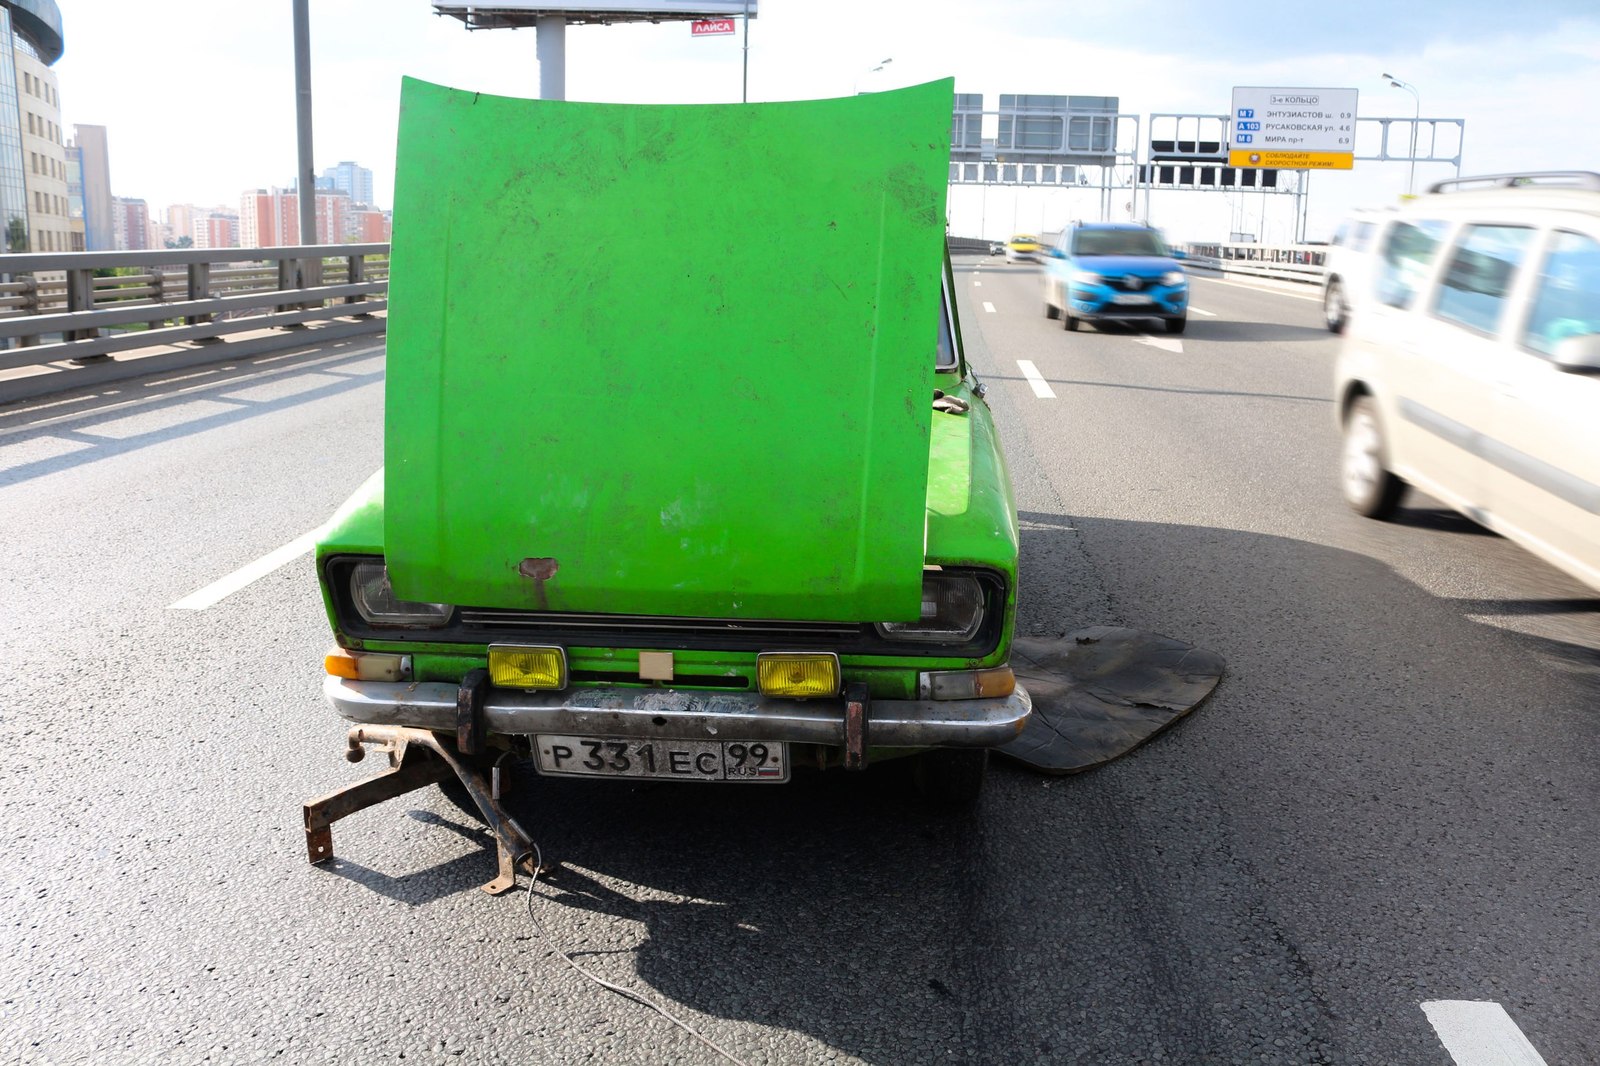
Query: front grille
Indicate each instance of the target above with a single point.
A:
(1132, 282)
(489, 625)
(624, 630)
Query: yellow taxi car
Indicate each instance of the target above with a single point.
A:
(1023, 248)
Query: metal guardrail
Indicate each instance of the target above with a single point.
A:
(1294, 262)
(967, 245)
(84, 318)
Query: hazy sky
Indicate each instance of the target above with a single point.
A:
(198, 95)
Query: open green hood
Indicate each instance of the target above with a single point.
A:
(668, 360)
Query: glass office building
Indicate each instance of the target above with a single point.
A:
(30, 42)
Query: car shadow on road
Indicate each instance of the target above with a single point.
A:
(1227, 329)
(1442, 519)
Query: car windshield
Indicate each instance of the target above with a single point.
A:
(1023, 238)
(1117, 242)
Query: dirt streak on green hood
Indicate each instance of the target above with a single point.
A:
(668, 360)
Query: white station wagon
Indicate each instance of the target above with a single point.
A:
(1471, 362)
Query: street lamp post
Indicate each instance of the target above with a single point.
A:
(1416, 115)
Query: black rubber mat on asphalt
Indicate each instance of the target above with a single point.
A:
(1098, 693)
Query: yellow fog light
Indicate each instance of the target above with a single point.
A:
(968, 684)
(797, 675)
(511, 666)
(366, 666)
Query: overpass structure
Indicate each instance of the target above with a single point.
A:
(1090, 143)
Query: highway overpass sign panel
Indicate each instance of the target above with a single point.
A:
(1295, 129)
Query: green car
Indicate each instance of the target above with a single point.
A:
(660, 501)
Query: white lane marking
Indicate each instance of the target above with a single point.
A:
(1208, 314)
(977, 284)
(1166, 344)
(1258, 288)
(227, 586)
(1480, 1034)
(1041, 387)
(989, 307)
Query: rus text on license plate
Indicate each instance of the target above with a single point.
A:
(683, 760)
(1129, 298)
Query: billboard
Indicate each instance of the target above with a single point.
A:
(1040, 130)
(513, 13)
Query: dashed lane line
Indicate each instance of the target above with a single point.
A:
(1041, 387)
(1208, 314)
(989, 307)
(1480, 1034)
(245, 575)
(1166, 344)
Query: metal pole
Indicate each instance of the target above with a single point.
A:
(1416, 120)
(744, 92)
(302, 90)
(552, 50)
(1416, 117)
(1302, 203)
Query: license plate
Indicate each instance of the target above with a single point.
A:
(752, 761)
(1129, 298)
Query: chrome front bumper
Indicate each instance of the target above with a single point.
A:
(679, 715)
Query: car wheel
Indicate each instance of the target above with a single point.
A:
(1369, 488)
(1050, 309)
(949, 780)
(1334, 309)
(1068, 319)
(1177, 325)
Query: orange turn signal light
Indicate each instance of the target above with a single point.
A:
(366, 666)
(968, 684)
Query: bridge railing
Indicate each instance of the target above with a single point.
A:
(76, 318)
(1291, 262)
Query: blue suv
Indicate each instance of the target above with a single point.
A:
(1114, 270)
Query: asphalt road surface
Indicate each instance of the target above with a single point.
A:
(1390, 801)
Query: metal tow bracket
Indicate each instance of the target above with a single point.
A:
(417, 757)
(469, 712)
(856, 699)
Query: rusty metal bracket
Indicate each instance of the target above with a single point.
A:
(418, 757)
(856, 700)
(469, 712)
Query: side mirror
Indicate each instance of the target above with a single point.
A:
(1057, 253)
(1579, 355)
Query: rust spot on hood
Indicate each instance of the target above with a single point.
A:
(538, 569)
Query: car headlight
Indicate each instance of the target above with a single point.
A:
(377, 604)
(952, 611)
(1172, 277)
(1087, 277)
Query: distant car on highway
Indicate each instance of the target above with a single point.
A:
(1023, 248)
(1471, 364)
(1348, 264)
(1114, 270)
(997, 247)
